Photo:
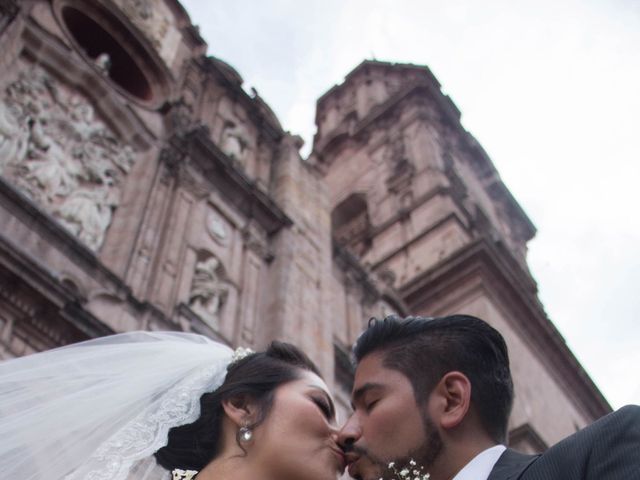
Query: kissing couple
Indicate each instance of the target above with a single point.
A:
(431, 400)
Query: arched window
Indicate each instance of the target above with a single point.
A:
(350, 221)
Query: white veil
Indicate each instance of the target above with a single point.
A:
(99, 409)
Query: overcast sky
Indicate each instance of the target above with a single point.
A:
(550, 88)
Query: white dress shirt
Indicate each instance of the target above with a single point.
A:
(480, 467)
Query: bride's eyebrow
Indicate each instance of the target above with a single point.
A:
(332, 407)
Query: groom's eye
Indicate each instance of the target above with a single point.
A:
(369, 405)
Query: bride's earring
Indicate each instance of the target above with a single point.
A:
(245, 434)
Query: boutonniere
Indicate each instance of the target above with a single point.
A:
(411, 471)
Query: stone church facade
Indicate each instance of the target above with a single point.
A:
(141, 187)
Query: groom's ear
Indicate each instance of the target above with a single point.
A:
(452, 398)
(241, 410)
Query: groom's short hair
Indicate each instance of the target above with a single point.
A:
(425, 349)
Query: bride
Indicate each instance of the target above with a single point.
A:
(150, 405)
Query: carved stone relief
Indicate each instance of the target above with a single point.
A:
(55, 150)
(209, 290)
(157, 22)
(180, 118)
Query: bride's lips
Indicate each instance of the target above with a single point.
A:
(342, 460)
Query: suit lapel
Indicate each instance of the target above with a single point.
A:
(511, 465)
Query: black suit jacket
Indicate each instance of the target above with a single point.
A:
(608, 449)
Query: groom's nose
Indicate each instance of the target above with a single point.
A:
(350, 433)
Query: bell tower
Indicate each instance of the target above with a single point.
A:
(409, 186)
(418, 201)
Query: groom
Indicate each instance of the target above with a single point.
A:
(439, 392)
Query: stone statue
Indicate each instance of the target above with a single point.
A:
(54, 148)
(208, 290)
(103, 62)
(48, 165)
(87, 213)
(234, 142)
(157, 21)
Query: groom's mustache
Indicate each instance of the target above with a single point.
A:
(351, 448)
(359, 452)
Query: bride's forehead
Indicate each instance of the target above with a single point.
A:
(307, 380)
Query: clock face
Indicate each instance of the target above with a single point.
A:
(217, 228)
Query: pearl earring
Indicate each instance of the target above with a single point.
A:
(245, 435)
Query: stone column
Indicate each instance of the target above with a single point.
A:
(298, 286)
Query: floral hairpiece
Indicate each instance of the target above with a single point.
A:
(412, 471)
(240, 353)
(178, 474)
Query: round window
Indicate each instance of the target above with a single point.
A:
(106, 43)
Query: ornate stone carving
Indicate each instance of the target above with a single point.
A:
(180, 118)
(13, 135)
(172, 156)
(55, 150)
(157, 22)
(209, 290)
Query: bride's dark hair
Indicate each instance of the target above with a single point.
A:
(256, 376)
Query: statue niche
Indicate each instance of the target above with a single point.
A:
(209, 290)
(59, 154)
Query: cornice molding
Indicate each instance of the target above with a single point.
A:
(43, 224)
(225, 176)
(28, 270)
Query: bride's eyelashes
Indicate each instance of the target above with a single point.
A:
(324, 407)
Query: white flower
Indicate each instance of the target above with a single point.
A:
(412, 472)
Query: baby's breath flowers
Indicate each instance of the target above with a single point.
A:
(411, 471)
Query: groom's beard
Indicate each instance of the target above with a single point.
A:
(424, 455)
(427, 453)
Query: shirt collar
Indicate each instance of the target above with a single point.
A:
(481, 465)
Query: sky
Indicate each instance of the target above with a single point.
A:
(550, 88)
